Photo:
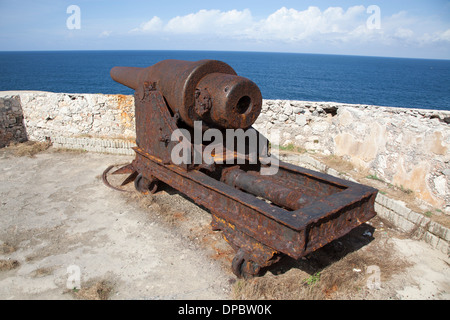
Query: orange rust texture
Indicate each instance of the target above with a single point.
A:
(125, 105)
(221, 250)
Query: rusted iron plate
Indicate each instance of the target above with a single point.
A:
(126, 169)
(154, 125)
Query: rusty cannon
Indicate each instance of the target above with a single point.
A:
(265, 208)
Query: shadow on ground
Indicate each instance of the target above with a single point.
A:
(327, 255)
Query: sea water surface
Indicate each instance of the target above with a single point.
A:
(396, 82)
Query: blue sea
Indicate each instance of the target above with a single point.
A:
(396, 82)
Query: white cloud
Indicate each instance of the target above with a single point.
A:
(404, 33)
(445, 36)
(104, 34)
(155, 24)
(435, 37)
(210, 22)
(311, 25)
(293, 25)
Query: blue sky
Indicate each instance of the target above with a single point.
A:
(412, 28)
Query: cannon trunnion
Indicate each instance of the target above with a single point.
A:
(265, 209)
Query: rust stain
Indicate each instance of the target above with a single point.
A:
(126, 108)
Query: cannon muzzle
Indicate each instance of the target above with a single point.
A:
(206, 90)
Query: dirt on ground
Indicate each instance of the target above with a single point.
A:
(65, 235)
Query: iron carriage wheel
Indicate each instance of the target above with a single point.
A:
(145, 185)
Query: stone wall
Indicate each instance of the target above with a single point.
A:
(11, 121)
(409, 148)
(92, 122)
(78, 115)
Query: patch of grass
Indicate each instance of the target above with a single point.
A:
(42, 272)
(99, 290)
(165, 211)
(328, 273)
(6, 248)
(28, 148)
(405, 190)
(374, 177)
(338, 163)
(6, 265)
(313, 279)
(336, 281)
(292, 148)
(428, 214)
(69, 150)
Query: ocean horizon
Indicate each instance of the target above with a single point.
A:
(353, 79)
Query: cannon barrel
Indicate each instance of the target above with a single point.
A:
(128, 76)
(206, 90)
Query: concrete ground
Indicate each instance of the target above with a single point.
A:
(55, 212)
(59, 224)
